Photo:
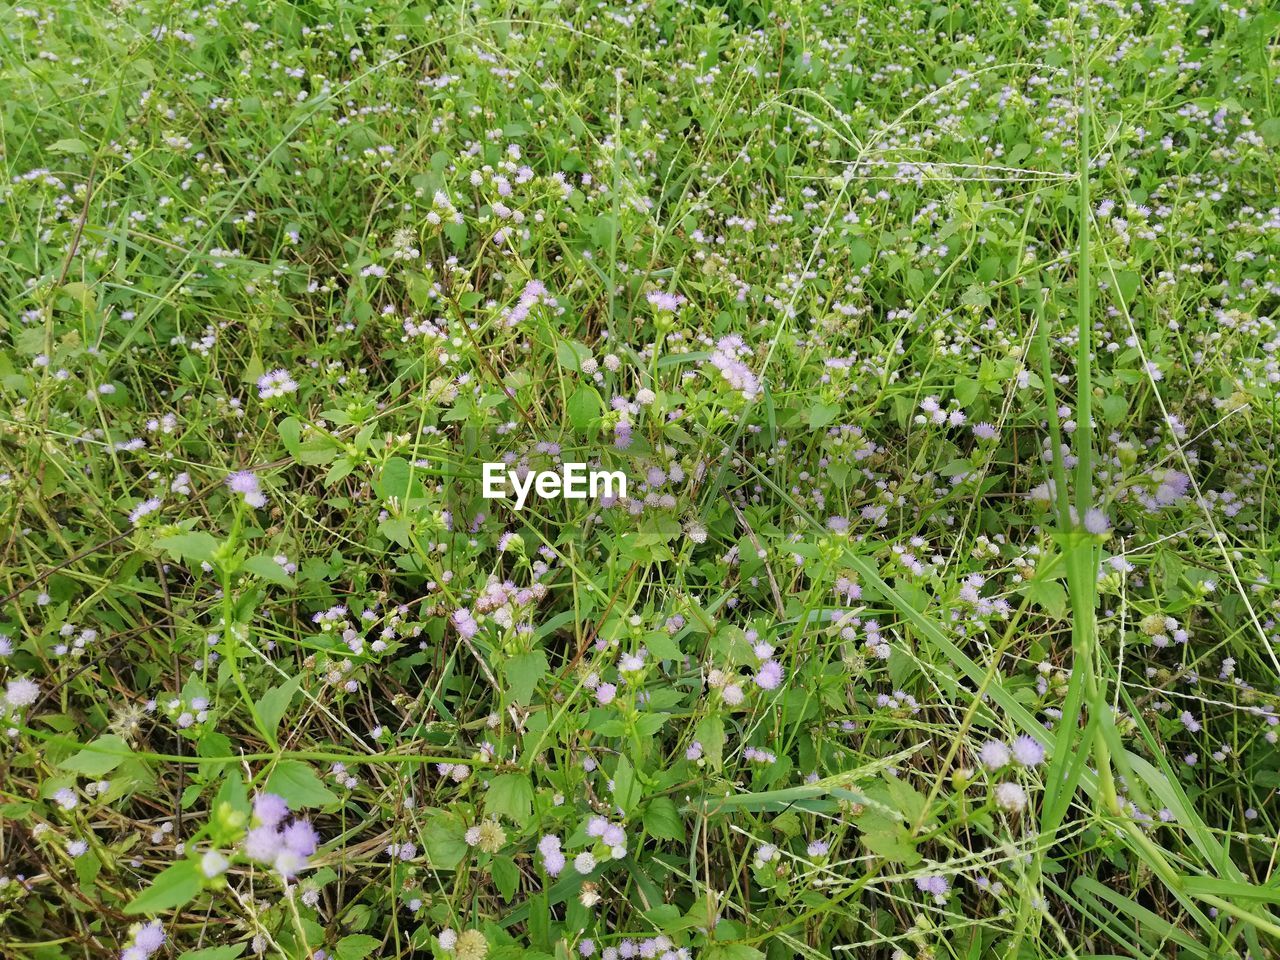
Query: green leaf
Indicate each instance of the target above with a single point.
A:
(1049, 594)
(571, 353)
(275, 703)
(627, 791)
(69, 145)
(818, 415)
(710, 733)
(266, 568)
(506, 876)
(444, 841)
(523, 671)
(893, 842)
(510, 795)
(402, 481)
(662, 820)
(229, 952)
(173, 887)
(584, 407)
(298, 784)
(194, 547)
(732, 951)
(356, 947)
(102, 756)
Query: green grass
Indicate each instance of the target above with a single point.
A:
(937, 343)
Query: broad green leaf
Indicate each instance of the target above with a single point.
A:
(173, 887)
(357, 946)
(523, 671)
(299, 785)
(662, 820)
(275, 703)
(100, 757)
(194, 547)
(266, 568)
(510, 795)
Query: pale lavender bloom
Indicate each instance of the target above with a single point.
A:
(934, 884)
(994, 755)
(465, 622)
(664, 301)
(269, 809)
(276, 384)
(1096, 522)
(248, 486)
(145, 507)
(769, 676)
(150, 937)
(1028, 751)
(985, 431)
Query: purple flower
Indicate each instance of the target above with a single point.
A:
(248, 486)
(465, 622)
(150, 938)
(663, 301)
(994, 755)
(1096, 522)
(769, 676)
(934, 884)
(262, 844)
(269, 809)
(301, 838)
(1028, 751)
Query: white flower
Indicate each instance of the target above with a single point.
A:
(1011, 797)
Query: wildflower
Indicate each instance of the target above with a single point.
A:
(275, 384)
(663, 301)
(286, 850)
(472, 946)
(933, 883)
(584, 863)
(1011, 797)
(985, 431)
(144, 508)
(553, 860)
(248, 486)
(1096, 522)
(213, 864)
(465, 622)
(769, 676)
(994, 755)
(491, 838)
(21, 693)
(1028, 751)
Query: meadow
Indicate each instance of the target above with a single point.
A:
(936, 341)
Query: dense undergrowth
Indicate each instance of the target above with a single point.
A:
(937, 343)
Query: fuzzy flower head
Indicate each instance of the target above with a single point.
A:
(934, 884)
(1028, 751)
(665, 302)
(20, 693)
(284, 847)
(1011, 797)
(994, 755)
(248, 486)
(276, 384)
